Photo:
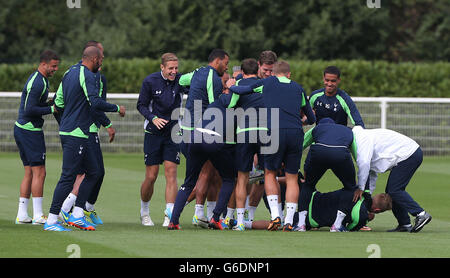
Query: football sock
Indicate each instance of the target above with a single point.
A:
(248, 225)
(89, 206)
(52, 219)
(200, 210)
(240, 215)
(209, 209)
(302, 218)
(280, 211)
(144, 208)
(37, 207)
(290, 211)
(169, 206)
(78, 212)
(251, 213)
(22, 213)
(69, 202)
(247, 200)
(230, 213)
(339, 218)
(273, 204)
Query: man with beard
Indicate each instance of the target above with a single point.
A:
(29, 137)
(77, 94)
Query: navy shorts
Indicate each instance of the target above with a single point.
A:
(31, 146)
(159, 148)
(289, 152)
(245, 153)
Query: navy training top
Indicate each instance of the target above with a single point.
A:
(33, 102)
(159, 97)
(77, 94)
(205, 87)
(339, 107)
(285, 95)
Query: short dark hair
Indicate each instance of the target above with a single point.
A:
(48, 55)
(332, 70)
(267, 57)
(249, 66)
(217, 53)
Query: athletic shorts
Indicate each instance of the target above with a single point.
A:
(31, 146)
(289, 152)
(159, 148)
(245, 153)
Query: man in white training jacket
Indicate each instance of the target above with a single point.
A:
(380, 150)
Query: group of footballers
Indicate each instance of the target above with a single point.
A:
(229, 128)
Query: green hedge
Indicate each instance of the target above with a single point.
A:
(359, 78)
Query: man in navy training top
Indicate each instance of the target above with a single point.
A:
(287, 98)
(205, 88)
(94, 141)
(29, 137)
(333, 102)
(78, 96)
(160, 94)
(332, 146)
(247, 128)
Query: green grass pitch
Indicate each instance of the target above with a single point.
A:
(122, 235)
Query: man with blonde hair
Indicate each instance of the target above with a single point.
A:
(159, 96)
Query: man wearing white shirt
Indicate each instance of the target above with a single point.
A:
(380, 150)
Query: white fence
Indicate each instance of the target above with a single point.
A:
(426, 120)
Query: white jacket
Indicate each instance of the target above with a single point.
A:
(379, 150)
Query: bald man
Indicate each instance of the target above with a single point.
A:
(78, 96)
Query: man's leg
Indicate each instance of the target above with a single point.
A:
(241, 195)
(194, 163)
(170, 172)
(94, 173)
(271, 188)
(223, 161)
(202, 186)
(292, 194)
(402, 202)
(96, 190)
(37, 191)
(73, 152)
(314, 170)
(147, 188)
(25, 193)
